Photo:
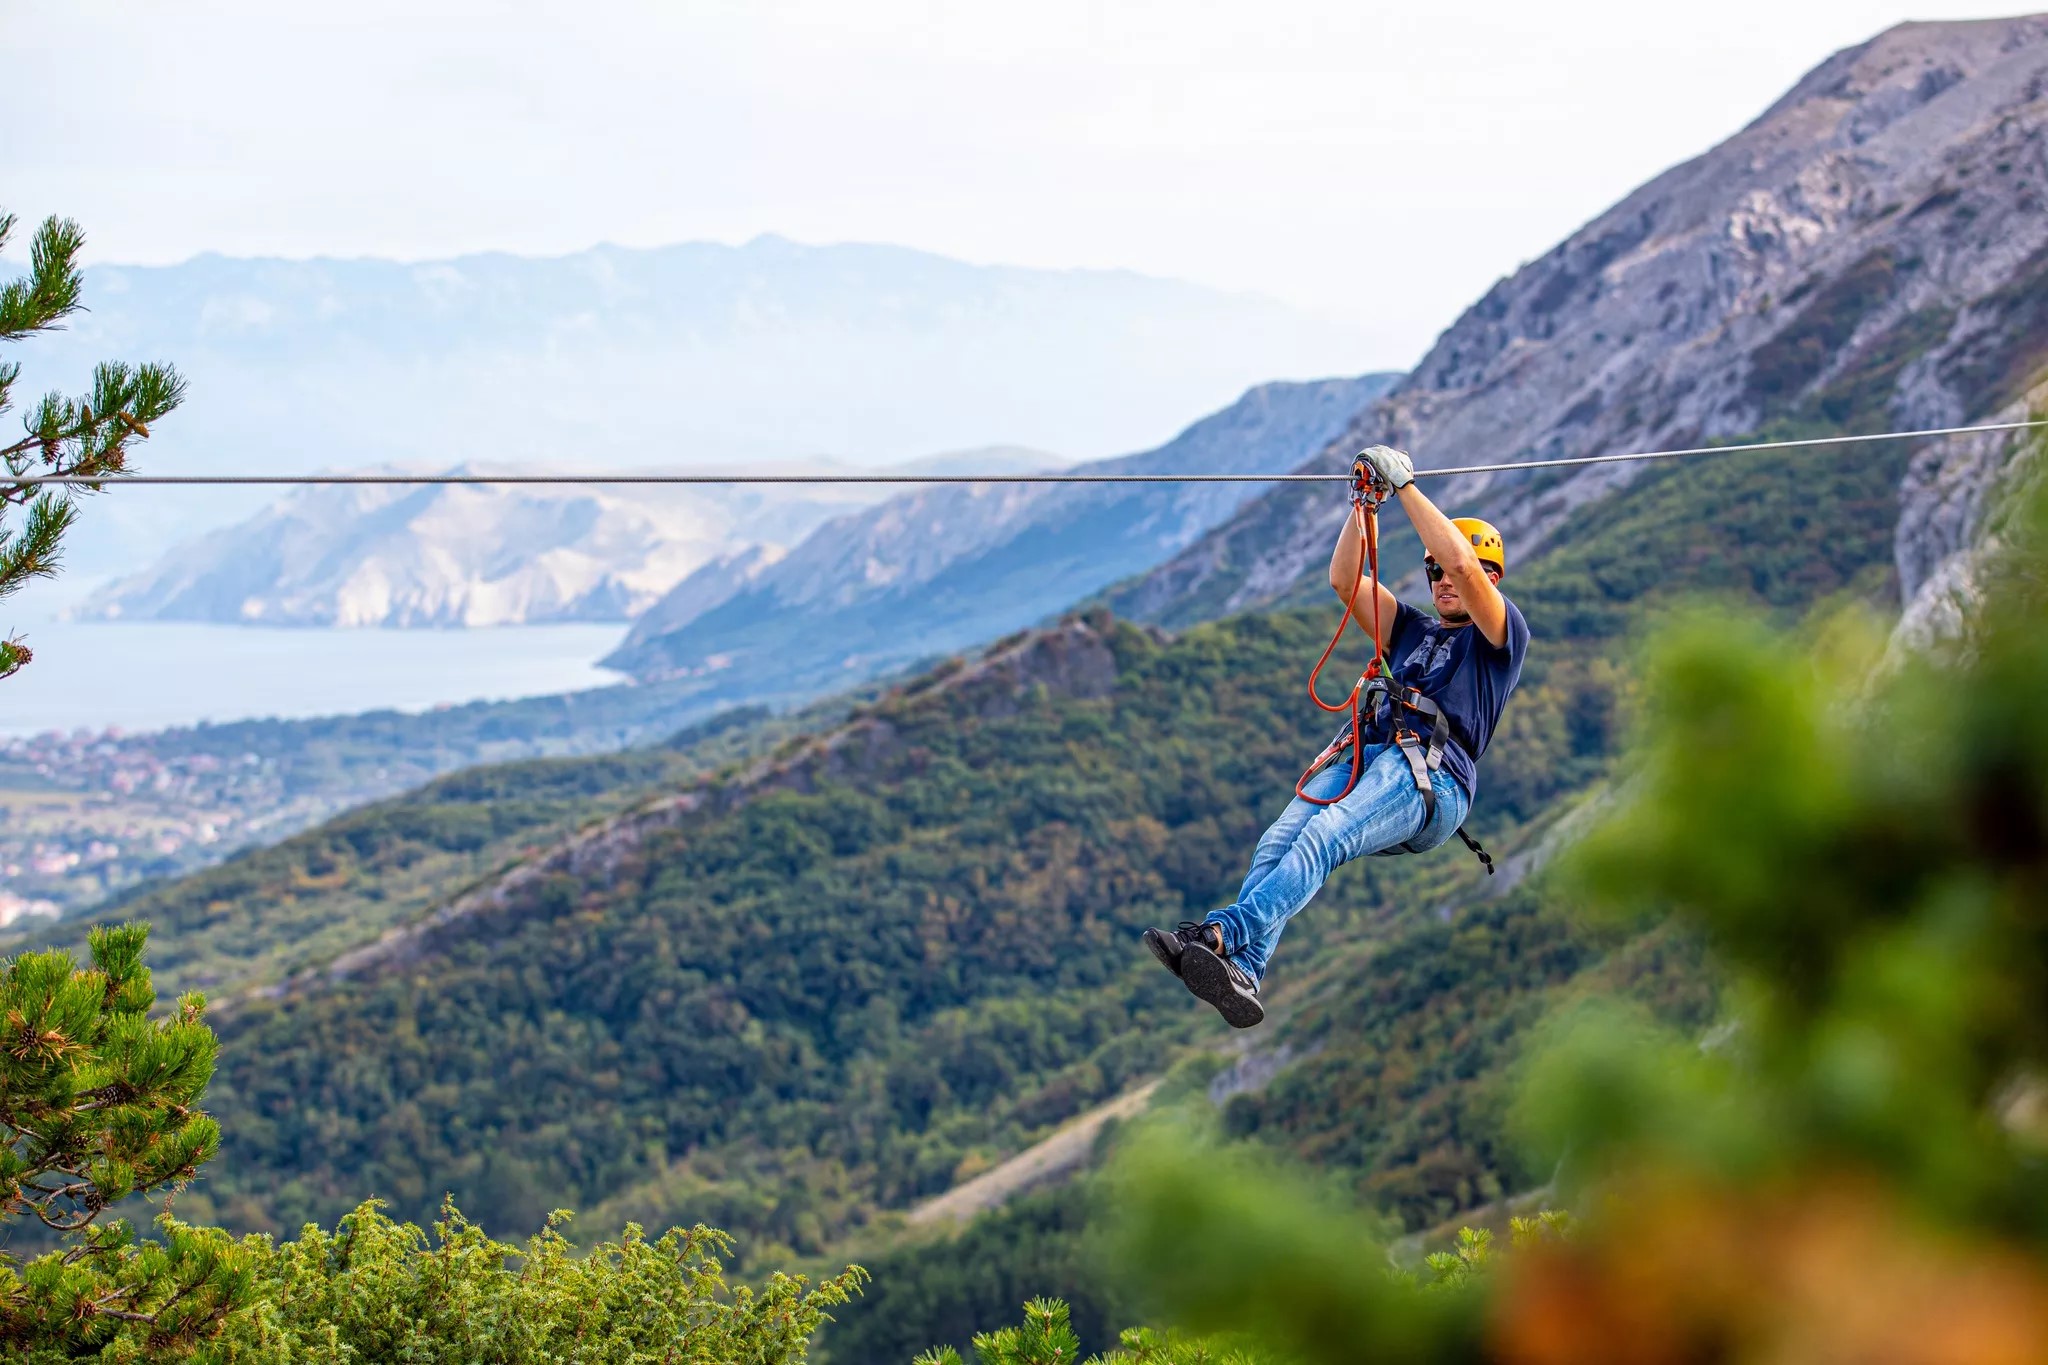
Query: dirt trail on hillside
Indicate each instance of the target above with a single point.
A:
(1066, 1148)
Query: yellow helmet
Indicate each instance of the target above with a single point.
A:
(1486, 542)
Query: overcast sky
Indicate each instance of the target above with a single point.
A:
(1384, 161)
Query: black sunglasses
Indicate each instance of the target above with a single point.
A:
(1436, 570)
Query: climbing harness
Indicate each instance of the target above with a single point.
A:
(1375, 689)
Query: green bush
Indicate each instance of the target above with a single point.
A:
(378, 1290)
(1045, 1338)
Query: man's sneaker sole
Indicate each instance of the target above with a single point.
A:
(1165, 947)
(1208, 976)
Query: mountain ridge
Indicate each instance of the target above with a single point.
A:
(1882, 220)
(469, 555)
(633, 358)
(948, 567)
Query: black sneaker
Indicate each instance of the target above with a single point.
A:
(1223, 984)
(1168, 944)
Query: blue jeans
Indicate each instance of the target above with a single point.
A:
(1309, 842)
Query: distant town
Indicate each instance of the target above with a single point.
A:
(90, 813)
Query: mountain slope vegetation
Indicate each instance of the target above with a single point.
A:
(295, 904)
(820, 988)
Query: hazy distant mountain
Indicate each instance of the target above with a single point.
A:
(666, 357)
(440, 555)
(947, 567)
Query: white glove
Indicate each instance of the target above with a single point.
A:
(1394, 469)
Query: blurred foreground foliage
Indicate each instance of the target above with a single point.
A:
(1850, 1166)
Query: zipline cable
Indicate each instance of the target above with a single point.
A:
(325, 480)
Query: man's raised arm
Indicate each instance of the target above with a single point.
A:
(1446, 544)
(1347, 567)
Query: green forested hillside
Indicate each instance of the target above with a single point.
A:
(798, 1005)
(844, 976)
(1405, 1038)
(298, 903)
(786, 1012)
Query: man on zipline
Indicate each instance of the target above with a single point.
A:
(1416, 763)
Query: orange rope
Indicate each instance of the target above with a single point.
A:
(1364, 506)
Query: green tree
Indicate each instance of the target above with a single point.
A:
(85, 437)
(99, 1102)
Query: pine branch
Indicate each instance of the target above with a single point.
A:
(51, 292)
(34, 552)
(84, 438)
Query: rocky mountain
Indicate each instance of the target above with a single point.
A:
(951, 566)
(486, 555)
(1870, 253)
(646, 358)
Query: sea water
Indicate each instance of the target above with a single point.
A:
(150, 675)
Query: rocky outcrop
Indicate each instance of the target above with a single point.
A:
(705, 588)
(1873, 250)
(1952, 506)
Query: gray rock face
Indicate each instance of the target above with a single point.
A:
(947, 567)
(1952, 503)
(1872, 250)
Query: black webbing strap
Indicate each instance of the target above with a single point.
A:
(1473, 844)
(1423, 759)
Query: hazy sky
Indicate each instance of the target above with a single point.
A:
(1385, 161)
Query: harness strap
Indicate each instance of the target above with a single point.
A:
(1424, 759)
(1473, 844)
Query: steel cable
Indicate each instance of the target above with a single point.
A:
(325, 480)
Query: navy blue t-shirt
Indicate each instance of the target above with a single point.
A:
(1460, 670)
